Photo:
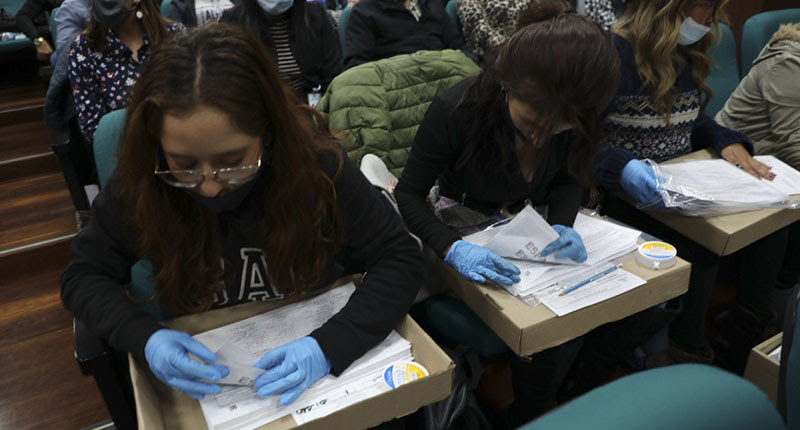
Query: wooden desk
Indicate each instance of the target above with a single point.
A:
(159, 407)
(528, 330)
(725, 234)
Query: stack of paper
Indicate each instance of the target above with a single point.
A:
(714, 187)
(241, 344)
(541, 282)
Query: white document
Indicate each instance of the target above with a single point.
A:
(239, 407)
(776, 354)
(522, 238)
(717, 187)
(787, 178)
(604, 241)
(611, 285)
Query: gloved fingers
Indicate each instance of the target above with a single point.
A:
(276, 373)
(272, 358)
(558, 228)
(197, 348)
(293, 394)
(575, 251)
(554, 246)
(494, 276)
(195, 370)
(503, 266)
(475, 277)
(194, 388)
(282, 385)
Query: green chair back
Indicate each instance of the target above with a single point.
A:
(106, 146)
(687, 396)
(452, 12)
(9, 46)
(724, 77)
(51, 21)
(343, 28)
(165, 7)
(758, 30)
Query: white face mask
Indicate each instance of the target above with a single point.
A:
(692, 31)
(275, 7)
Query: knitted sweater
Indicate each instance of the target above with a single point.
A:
(633, 129)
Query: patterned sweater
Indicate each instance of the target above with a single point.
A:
(633, 129)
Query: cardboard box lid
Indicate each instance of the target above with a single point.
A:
(159, 407)
(725, 234)
(762, 370)
(527, 330)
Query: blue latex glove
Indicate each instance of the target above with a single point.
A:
(478, 264)
(569, 244)
(639, 180)
(291, 369)
(167, 351)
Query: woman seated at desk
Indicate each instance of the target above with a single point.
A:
(222, 165)
(657, 113)
(524, 129)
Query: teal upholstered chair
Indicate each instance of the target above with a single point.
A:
(51, 22)
(452, 12)
(343, 27)
(165, 7)
(688, 396)
(724, 77)
(106, 146)
(758, 30)
(9, 46)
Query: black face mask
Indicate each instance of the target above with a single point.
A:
(110, 13)
(231, 200)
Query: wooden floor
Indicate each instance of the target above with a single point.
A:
(40, 383)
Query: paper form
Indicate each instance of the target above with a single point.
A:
(776, 354)
(522, 238)
(604, 241)
(787, 178)
(238, 407)
(611, 285)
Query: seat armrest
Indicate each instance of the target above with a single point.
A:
(88, 347)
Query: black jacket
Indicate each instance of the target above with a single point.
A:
(376, 242)
(31, 17)
(384, 28)
(312, 38)
(441, 140)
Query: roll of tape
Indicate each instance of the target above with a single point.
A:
(404, 372)
(657, 255)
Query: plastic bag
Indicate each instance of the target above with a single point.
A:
(713, 187)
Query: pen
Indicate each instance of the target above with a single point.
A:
(586, 281)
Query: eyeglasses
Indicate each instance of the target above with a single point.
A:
(193, 178)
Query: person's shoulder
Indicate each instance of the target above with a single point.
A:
(80, 45)
(332, 159)
(175, 27)
(623, 45)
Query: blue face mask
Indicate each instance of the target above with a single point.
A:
(275, 7)
(692, 31)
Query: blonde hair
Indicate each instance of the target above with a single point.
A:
(654, 27)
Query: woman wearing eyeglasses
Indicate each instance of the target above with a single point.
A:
(235, 192)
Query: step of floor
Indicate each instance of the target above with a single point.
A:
(35, 212)
(36, 355)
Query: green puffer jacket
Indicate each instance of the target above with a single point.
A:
(380, 104)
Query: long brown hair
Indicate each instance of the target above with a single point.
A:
(565, 67)
(654, 27)
(220, 66)
(154, 25)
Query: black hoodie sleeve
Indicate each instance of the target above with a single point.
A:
(359, 38)
(93, 285)
(376, 240)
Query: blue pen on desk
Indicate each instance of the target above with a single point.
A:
(586, 281)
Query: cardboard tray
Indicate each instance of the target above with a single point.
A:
(159, 407)
(725, 234)
(528, 330)
(763, 371)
